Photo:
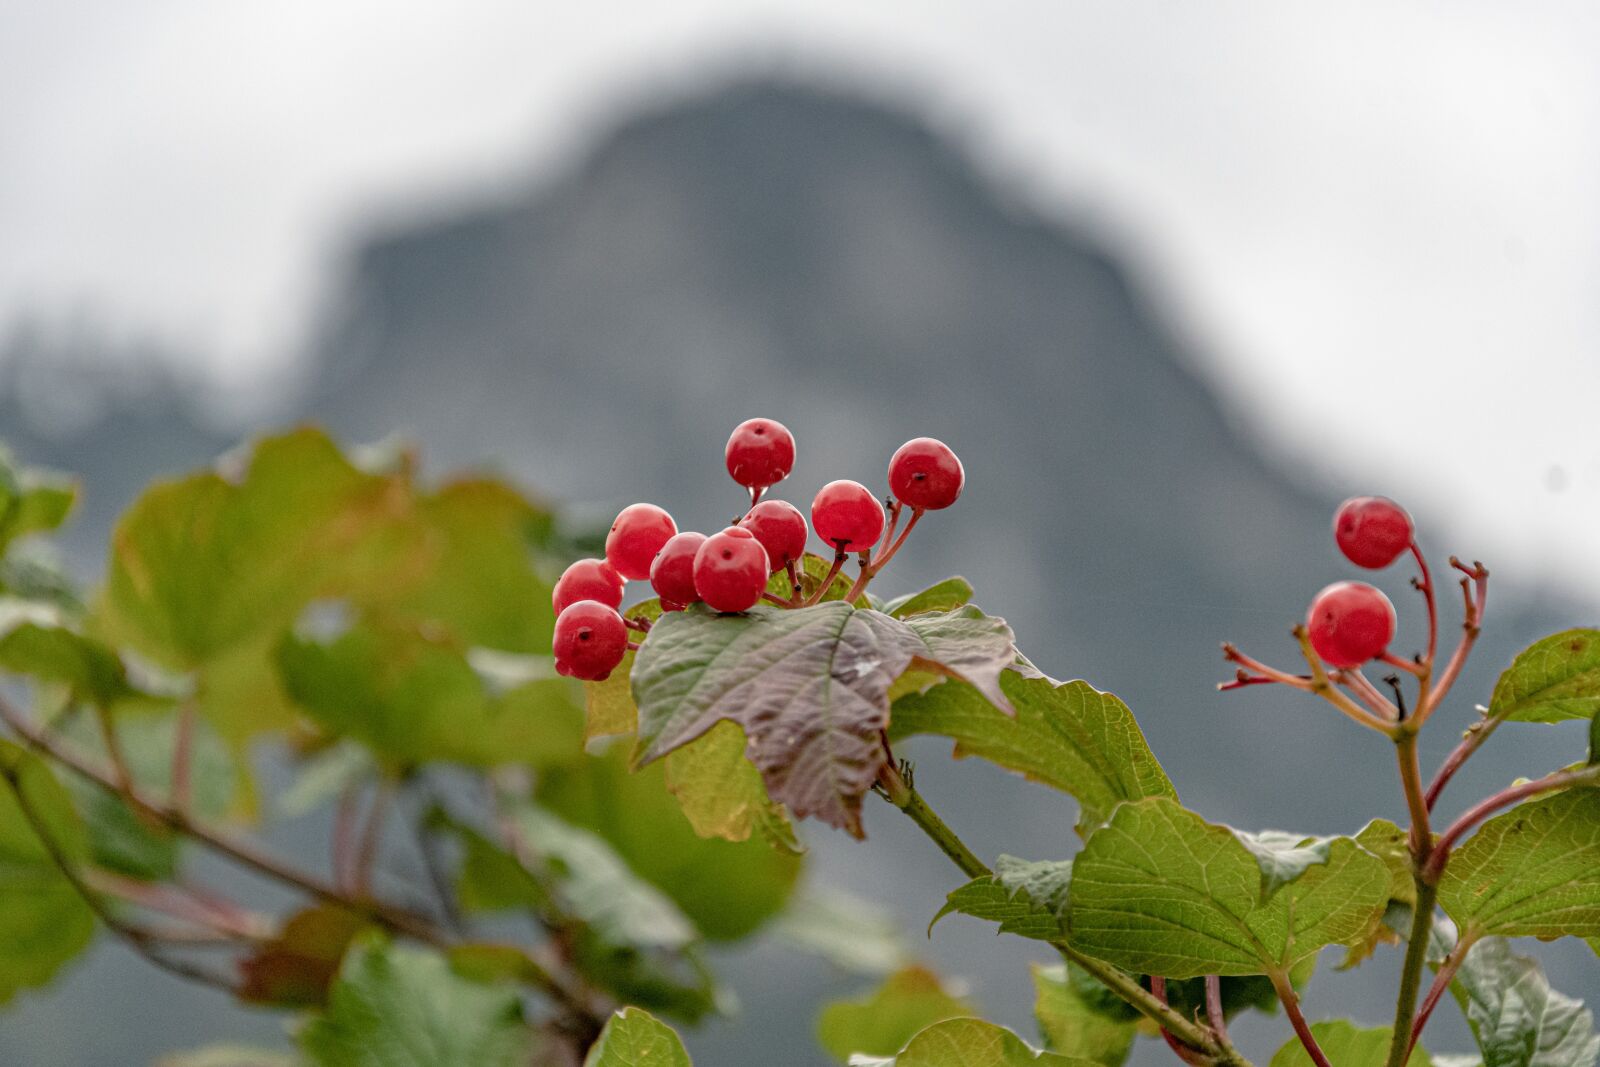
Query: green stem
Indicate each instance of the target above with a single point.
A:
(1405, 1008)
(897, 789)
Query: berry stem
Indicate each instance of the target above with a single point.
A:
(1477, 581)
(1322, 686)
(839, 556)
(895, 507)
(1268, 674)
(883, 561)
(1158, 989)
(1474, 738)
(642, 625)
(1410, 666)
(1368, 693)
(1425, 587)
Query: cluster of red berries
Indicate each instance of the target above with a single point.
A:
(728, 571)
(1352, 622)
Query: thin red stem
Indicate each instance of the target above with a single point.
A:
(1214, 1013)
(1366, 692)
(794, 584)
(1158, 987)
(371, 839)
(833, 572)
(1302, 1030)
(344, 835)
(1471, 626)
(1271, 674)
(1410, 666)
(1425, 587)
(1441, 982)
(1491, 804)
(1476, 735)
(911, 523)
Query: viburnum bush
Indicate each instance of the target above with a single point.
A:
(623, 773)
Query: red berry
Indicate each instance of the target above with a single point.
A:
(1372, 532)
(636, 537)
(730, 570)
(847, 516)
(672, 574)
(924, 473)
(780, 528)
(590, 640)
(760, 453)
(1350, 623)
(587, 579)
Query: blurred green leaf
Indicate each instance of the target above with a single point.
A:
(1158, 890)
(44, 923)
(296, 967)
(727, 888)
(721, 791)
(31, 500)
(880, 1024)
(1076, 1019)
(1533, 871)
(849, 932)
(229, 1055)
(36, 641)
(412, 699)
(635, 1038)
(1068, 735)
(403, 1007)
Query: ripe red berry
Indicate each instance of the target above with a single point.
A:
(780, 528)
(636, 537)
(1371, 531)
(672, 573)
(730, 570)
(587, 579)
(590, 640)
(924, 473)
(760, 453)
(1350, 623)
(847, 516)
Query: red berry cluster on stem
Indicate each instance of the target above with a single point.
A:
(729, 571)
(1351, 624)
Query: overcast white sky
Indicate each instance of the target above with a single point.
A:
(1381, 219)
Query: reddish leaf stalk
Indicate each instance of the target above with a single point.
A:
(1297, 1019)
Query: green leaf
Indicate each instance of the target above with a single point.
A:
(44, 923)
(609, 710)
(1283, 857)
(721, 791)
(36, 641)
(1158, 890)
(1517, 1019)
(810, 687)
(1346, 1046)
(880, 1024)
(1080, 1018)
(1553, 679)
(411, 698)
(203, 565)
(1387, 841)
(813, 568)
(403, 1007)
(948, 595)
(1027, 899)
(1533, 871)
(968, 1043)
(635, 1038)
(1066, 735)
(31, 501)
(727, 888)
(476, 578)
(849, 932)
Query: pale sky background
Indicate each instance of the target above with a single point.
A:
(1380, 221)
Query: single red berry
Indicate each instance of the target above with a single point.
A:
(590, 640)
(760, 453)
(1372, 531)
(730, 570)
(780, 528)
(672, 573)
(636, 537)
(847, 516)
(924, 473)
(1350, 623)
(587, 579)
